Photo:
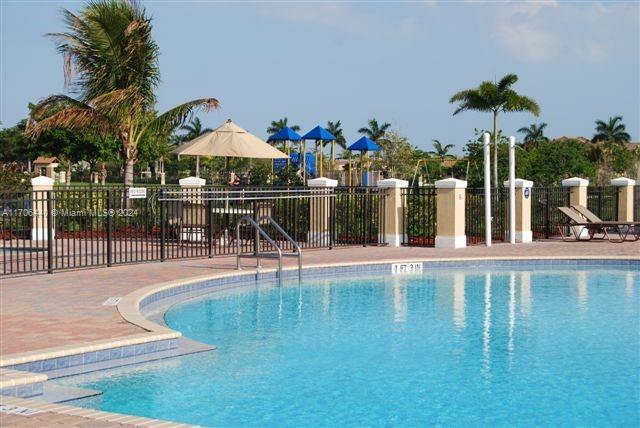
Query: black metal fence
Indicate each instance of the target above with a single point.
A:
(636, 203)
(103, 226)
(545, 216)
(475, 216)
(603, 202)
(419, 221)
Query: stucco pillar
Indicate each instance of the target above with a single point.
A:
(450, 203)
(192, 189)
(625, 197)
(577, 196)
(320, 210)
(393, 213)
(40, 215)
(523, 209)
(577, 190)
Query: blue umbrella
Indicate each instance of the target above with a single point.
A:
(319, 134)
(363, 145)
(285, 134)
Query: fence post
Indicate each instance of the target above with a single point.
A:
(393, 210)
(41, 188)
(320, 211)
(523, 209)
(450, 202)
(625, 197)
(577, 195)
(50, 231)
(109, 235)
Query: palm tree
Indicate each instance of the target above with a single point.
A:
(495, 98)
(375, 131)
(336, 129)
(194, 129)
(111, 64)
(533, 134)
(611, 132)
(277, 125)
(440, 150)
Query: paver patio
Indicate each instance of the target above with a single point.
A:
(65, 308)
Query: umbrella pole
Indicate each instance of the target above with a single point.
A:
(198, 166)
(321, 150)
(350, 170)
(304, 162)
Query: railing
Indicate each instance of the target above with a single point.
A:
(419, 221)
(101, 226)
(545, 216)
(603, 201)
(475, 216)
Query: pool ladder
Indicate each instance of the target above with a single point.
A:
(259, 231)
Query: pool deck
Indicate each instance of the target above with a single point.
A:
(66, 308)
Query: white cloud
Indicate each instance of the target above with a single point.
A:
(344, 18)
(539, 32)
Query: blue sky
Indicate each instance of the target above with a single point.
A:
(397, 62)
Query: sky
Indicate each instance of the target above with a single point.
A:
(398, 62)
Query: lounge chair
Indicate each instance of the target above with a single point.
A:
(624, 227)
(578, 224)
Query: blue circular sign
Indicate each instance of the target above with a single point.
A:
(527, 192)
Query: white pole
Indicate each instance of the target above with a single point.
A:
(487, 188)
(512, 190)
(198, 166)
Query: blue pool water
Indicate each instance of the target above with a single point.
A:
(546, 347)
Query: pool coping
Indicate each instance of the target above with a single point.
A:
(131, 308)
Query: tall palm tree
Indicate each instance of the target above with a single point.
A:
(611, 132)
(336, 129)
(533, 134)
(375, 131)
(440, 150)
(277, 125)
(193, 129)
(111, 64)
(495, 98)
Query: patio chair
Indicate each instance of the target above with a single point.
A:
(624, 227)
(193, 222)
(578, 224)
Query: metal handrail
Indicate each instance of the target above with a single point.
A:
(260, 231)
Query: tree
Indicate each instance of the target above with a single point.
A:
(495, 98)
(551, 161)
(193, 129)
(111, 63)
(277, 125)
(440, 150)
(397, 158)
(533, 134)
(375, 131)
(336, 129)
(612, 132)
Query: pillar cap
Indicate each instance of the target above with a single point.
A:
(519, 182)
(451, 183)
(192, 182)
(623, 181)
(322, 182)
(575, 182)
(42, 180)
(393, 183)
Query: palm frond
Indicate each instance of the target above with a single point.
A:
(177, 116)
(75, 119)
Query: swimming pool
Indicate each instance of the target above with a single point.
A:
(534, 346)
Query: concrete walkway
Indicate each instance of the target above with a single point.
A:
(43, 311)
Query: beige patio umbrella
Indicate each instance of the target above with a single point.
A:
(229, 141)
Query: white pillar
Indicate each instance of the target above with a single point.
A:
(40, 216)
(319, 210)
(512, 190)
(393, 210)
(487, 188)
(522, 191)
(625, 198)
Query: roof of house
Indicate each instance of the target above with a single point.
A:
(45, 160)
